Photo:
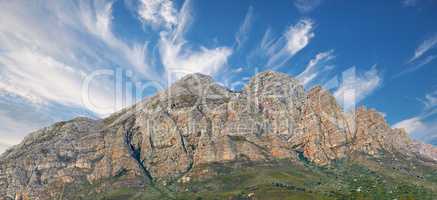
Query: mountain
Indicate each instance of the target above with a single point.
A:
(198, 138)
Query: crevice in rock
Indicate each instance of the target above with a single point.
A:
(184, 146)
(135, 152)
(208, 120)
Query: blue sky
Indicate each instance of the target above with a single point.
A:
(383, 51)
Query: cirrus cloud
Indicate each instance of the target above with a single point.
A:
(177, 54)
(293, 40)
(411, 125)
(424, 47)
(305, 6)
(357, 86)
(313, 70)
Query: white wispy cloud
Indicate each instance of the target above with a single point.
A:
(180, 56)
(48, 49)
(34, 76)
(430, 100)
(424, 47)
(315, 68)
(305, 6)
(238, 70)
(97, 20)
(158, 13)
(18, 116)
(355, 86)
(299, 35)
(13, 129)
(420, 57)
(416, 66)
(411, 125)
(49, 66)
(424, 125)
(267, 41)
(242, 34)
(420, 127)
(409, 3)
(427, 60)
(430, 134)
(294, 39)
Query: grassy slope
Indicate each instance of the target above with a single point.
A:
(287, 180)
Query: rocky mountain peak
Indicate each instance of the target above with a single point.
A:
(271, 76)
(197, 122)
(194, 79)
(273, 83)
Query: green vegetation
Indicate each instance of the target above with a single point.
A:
(280, 180)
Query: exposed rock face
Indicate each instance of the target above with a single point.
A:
(194, 122)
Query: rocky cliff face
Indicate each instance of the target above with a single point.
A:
(195, 122)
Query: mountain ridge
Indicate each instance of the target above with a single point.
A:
(197, 122)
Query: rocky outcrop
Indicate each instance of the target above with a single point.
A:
(195, 122)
